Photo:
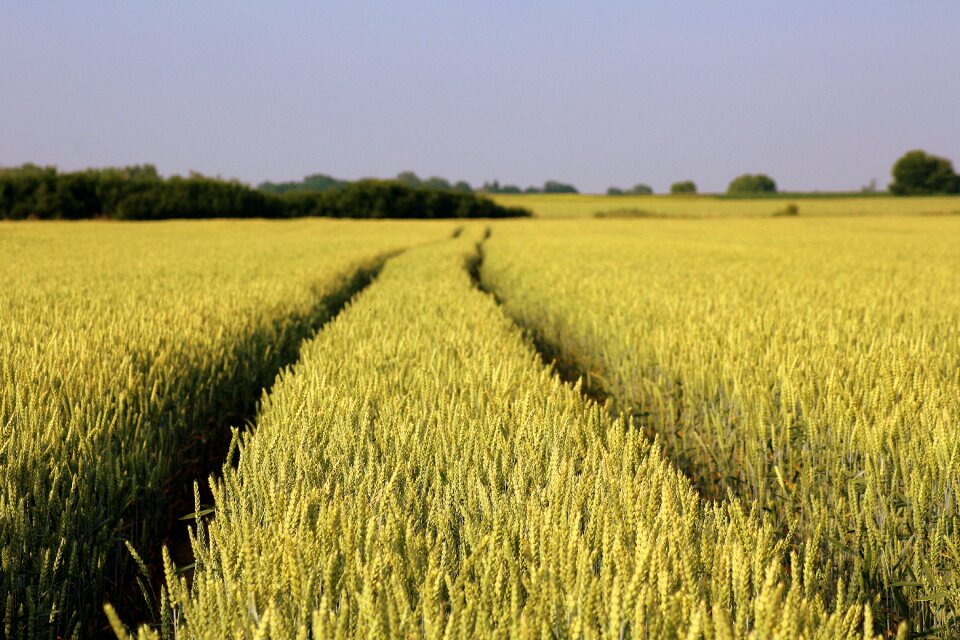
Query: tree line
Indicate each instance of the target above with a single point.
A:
(915, 173)
(323, 182)
(140, 193)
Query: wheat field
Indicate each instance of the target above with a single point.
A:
(123, 350)
(809, 367)
(462, 491)
(624, 428)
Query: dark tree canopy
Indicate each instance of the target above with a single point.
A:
(394, 199)
(752, 183)
(322, 182)
(315, 182)
(919, 173)
(552, 186)
(436, 182)
(139, 193)
(684, 186)
(409, 178)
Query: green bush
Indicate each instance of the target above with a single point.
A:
(552, 186)
(635, 190)
(752, 183)
(919, 173)
(685, 186)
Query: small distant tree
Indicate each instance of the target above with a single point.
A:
(462, 186)
(552, 186)
(614, 191)
(510, 188)
(409, 178)
(436, 182)
(684, 186)
(532, 190)
(752, 183)
(919, 173)
(322, 182)
(644, 189)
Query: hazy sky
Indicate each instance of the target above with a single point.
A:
(818, 94)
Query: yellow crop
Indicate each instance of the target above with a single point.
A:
(421, 473)
(810, 367)
(776, 452)
(120, 348)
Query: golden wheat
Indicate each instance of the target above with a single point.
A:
(120, 346)
(811, 367)
(420, 473)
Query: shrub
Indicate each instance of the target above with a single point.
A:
(552, 186)
(752, 183)
(685, 186)
(635, 190)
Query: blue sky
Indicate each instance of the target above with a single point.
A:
(820, 95)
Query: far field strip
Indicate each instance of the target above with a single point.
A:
(421, 473)
(712, 206)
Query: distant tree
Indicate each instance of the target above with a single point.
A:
(532, 190)
(322, 182)
(409, 178)
(135, 172)
(919, 173)
(436, 182)
(462, 186)
(641, 190)
(614, 191)
(552, 186)
(311, 184)
(685, 186)
(510, 188)
(752, 183)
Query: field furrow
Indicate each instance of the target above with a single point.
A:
(809, 367)
(125, 356)
(420, 473)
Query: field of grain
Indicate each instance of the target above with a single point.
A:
(809, 367)
(708, 206)
(421, 474)
(627, 428)
(126, 353)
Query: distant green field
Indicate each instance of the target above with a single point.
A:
(703, 206)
